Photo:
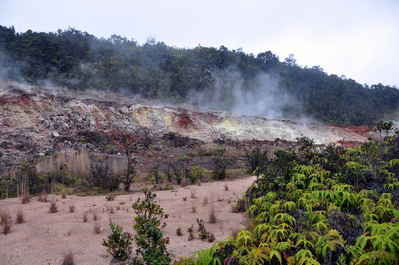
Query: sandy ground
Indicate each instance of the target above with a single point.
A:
(46, 237)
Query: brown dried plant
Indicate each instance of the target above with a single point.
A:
(25, 198)
(212, 215)
(5, 220)
(20, 216)
(85, 219)
(96, 228)
(53, 206)
(68, 259)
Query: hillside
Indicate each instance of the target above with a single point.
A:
(39, 121)
(208, 77)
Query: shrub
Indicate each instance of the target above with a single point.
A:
(20, 216)
(5, 219)
(71, 208)
(151, 246)
(53, 206)
(25, 198)
(179, 232)
(68, 259)
(196, 174)
(212, 215)
(220, 163)
(85, 219)
(119, 243)
(97, 228)
(256, 161)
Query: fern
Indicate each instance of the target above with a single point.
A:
(244, 238)
(377, 257)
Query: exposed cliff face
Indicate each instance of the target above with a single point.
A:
(39, 120)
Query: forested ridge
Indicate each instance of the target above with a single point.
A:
(79, 60)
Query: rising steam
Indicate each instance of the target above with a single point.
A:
(262, 96)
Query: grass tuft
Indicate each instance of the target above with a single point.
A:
(71, 208)
(5, 220)
(25, 198)
(20, 216)
(97, 228)
(53, 206)
(212, 215)
(68, 259)
(85, 218)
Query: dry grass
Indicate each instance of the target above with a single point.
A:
(20, 216)
(183, 182)
(192, 193)
(198, 182)
(96, 228)
(226, 187)
(25, 198)
(68, 259)
(111, 209)
(42, 198)
(5, 220)
(212, 215)
(63, 194)
(234, 232)
(71, 208)
(206, 201)
(95, 216)
(53, 206)
(85, 218)
(193, 209)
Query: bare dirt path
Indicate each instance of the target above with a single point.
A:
(45, 237)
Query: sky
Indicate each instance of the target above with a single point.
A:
(355, 38)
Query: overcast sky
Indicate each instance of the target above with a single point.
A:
(355, 38)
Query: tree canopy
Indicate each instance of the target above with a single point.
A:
(79, 60)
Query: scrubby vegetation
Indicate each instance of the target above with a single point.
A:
(318, 205)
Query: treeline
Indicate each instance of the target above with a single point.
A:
(79, 60)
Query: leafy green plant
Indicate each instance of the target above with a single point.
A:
(151, 245)
(119, 243)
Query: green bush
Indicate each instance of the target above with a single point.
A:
(119, 244)
(151, 245)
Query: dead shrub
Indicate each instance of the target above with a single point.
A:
(53, 206)
(95, 216)
(20, 216)
(63, 194)
(192, 193)
(193, 209)
(184, 182)
(71, 208)
(212, 215)
(96, 228)
(25, 198)
(85, 219)
(226, 187)
(68, 259)
(206, 201)
(42, 198)
(5, 219)
(234, 232)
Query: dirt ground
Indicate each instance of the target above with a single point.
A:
(44, 238)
